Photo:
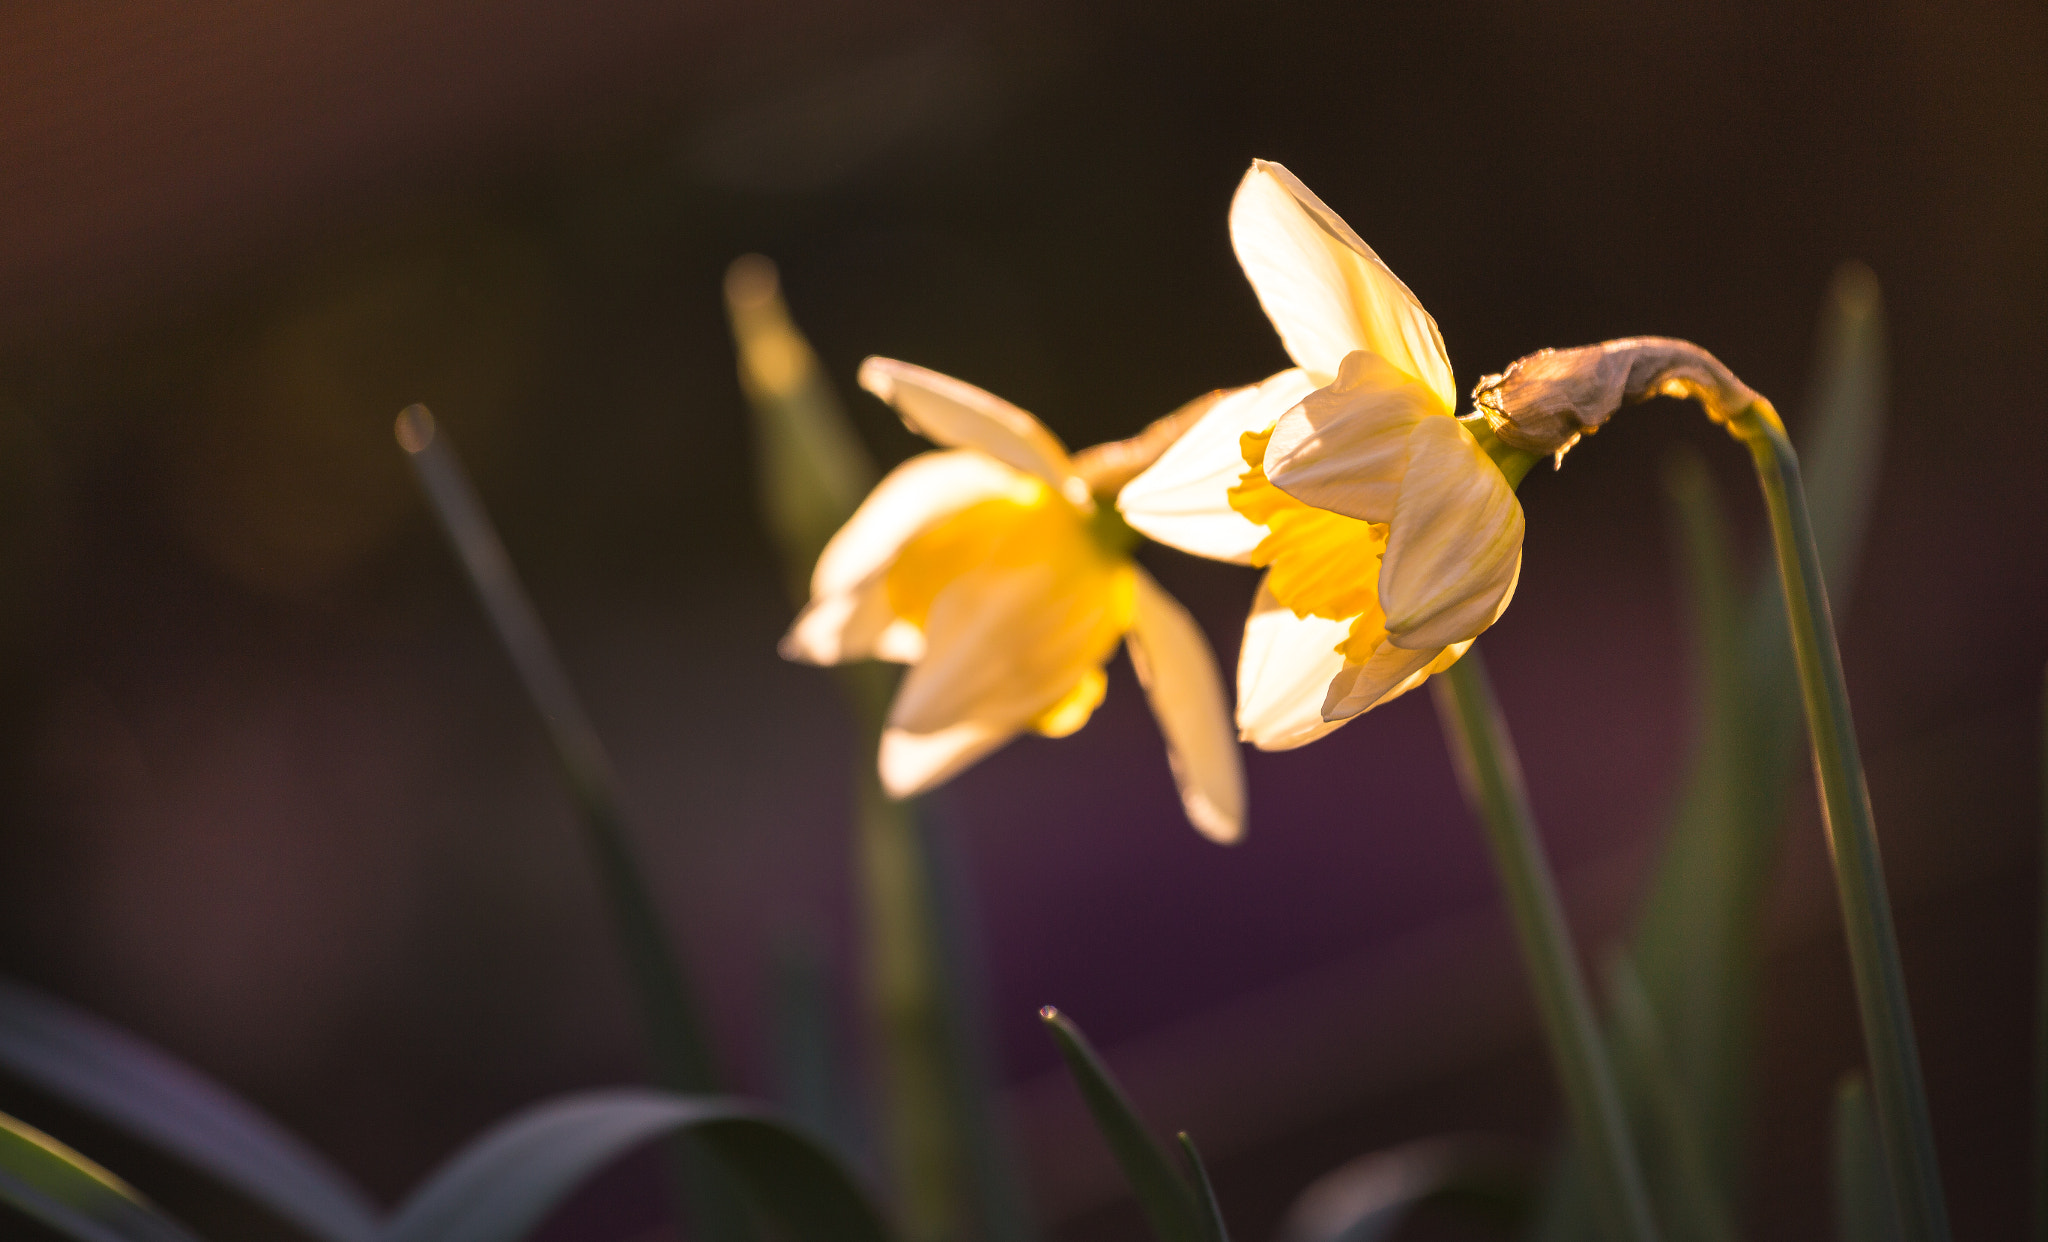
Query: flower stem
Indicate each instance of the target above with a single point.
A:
(1492, 777)
(682, 1055)
(2041, 1032)
(1903, 1124)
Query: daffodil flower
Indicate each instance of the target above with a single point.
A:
(991, 570)
(1389, 537)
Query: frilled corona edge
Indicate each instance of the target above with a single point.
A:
(1544, 402)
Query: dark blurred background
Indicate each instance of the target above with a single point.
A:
(269, 794)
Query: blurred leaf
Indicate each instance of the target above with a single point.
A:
(1168, 1201)
(1864, 1207)
(946, 1135)
(54, 1184)
(1211, 1211)
(813, 470)
(807, 1070)
(118, 1078)
(1676, 1163)
(1366, 1199)
(1696, 942)
(505, 1183)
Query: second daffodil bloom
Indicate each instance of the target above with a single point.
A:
(992, 571)
(1389, 536)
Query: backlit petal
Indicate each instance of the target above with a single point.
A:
(1361, 687)
(956, 414)
(1455, 547)
(1283, 673)
(1183, 499)
(1324, 289)
(1185, 689)
(1004, 644)
(1344, 448)
(911, 763)
(852, 625)
(913, 496)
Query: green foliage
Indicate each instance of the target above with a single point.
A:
(1171, 1205)
(504, 1184)
(813, 470)
(1863, 1202)
(48, 1181)
(102, 1070)
(946, 1137)
(1205, 1194)
(1695, 947)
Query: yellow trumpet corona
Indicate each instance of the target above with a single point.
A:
(985, 567)
(1389, 538)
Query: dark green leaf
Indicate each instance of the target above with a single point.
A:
(1674, 1155)
(1212, 1212)
(48, 1181)
(504, 1184)
(1167, 1200)
(1864, 1208)
(118, 1078)
(1696, 943)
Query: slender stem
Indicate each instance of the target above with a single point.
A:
(1492, 777)
(2041, 1024)
(1903, 1123)
(682, 1055)
(906, 1008)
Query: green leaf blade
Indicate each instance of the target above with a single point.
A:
(1163, 1194)
(504, 1184)
(1863, 1199)
(144, 1091)
(44, 1179)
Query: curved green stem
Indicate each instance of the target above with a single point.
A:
(1903, 1123)
(1492, 777)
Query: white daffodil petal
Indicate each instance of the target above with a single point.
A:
(911, 763)
(1361, 687)
(1455, 547)
(1003, 644)
(913, 496)
(1345, 447)
(1325, 290)
(833, 629)
(1178, 671)
(1183, 499)
(1283, 673)
(956, 414)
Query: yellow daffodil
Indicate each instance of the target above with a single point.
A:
(1389, 537)
(989, 568)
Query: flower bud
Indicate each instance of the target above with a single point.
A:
(1544, 402)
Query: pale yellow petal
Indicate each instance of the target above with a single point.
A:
(1283, 674)
(1183, 499)
(1361, 687)
(911, 763)
(1345, 447)
(1178, 671)
(1324, 289)
(852, 625)
(1455, 545)
(956, 414)
(1004, 644)
(911, 498)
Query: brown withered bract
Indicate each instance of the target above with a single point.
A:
(1545, 401)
